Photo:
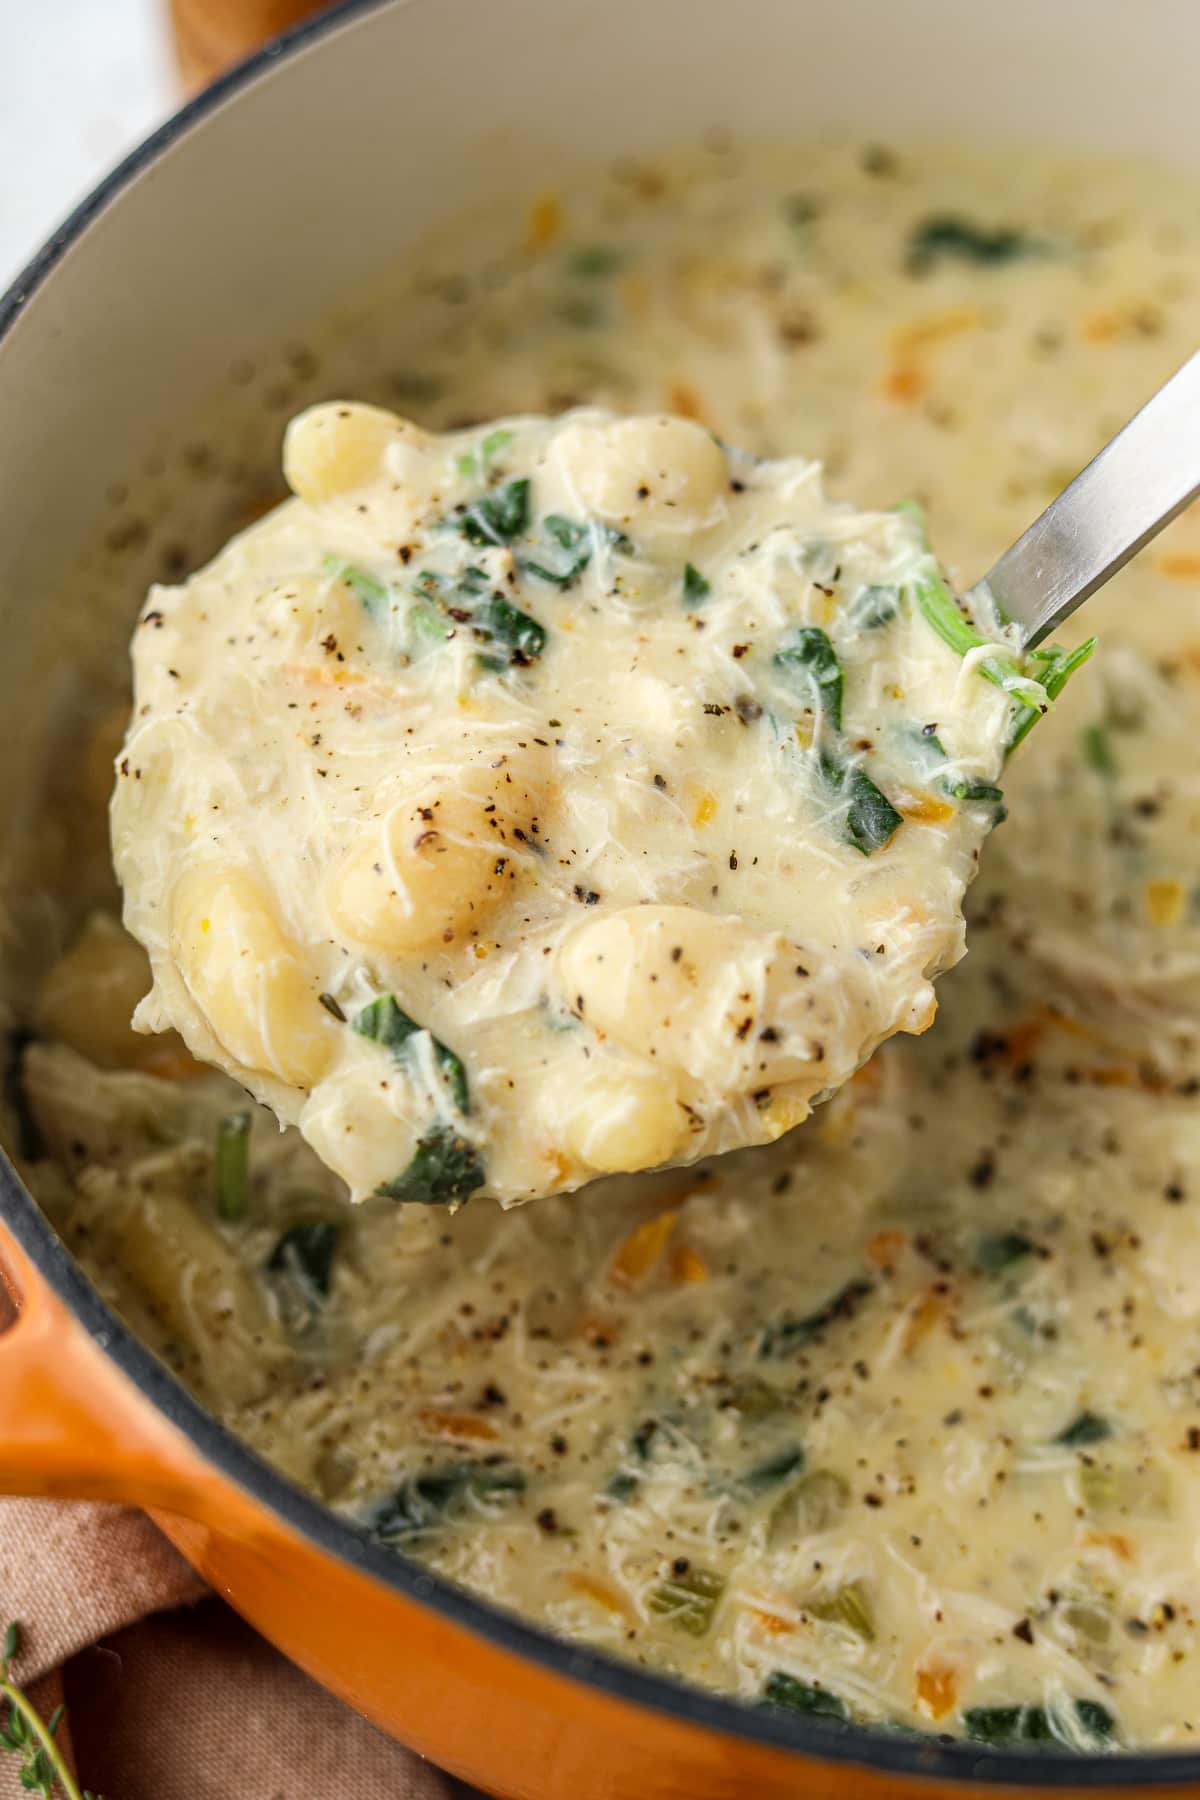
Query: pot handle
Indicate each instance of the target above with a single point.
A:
(72, 1425)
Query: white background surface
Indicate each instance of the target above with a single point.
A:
(80, 82)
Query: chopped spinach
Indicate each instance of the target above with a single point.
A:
(385, 1022)
(459, 590)
(479, 462)
(567, 547)
(1097, 745)
(773, 1470)
(696, 587)
(425, 1502)
(1036, 1725)
(850, 1607)
(232, 1166)
(868, 818)
(788, 1334)
(622, 1486)
(371, 592)
(949, 237)
(688, 1599)
(872, 607)
(809, 664)
(497, 517)
(445, 1170)
(304, 1255)
(592, 260)
(1086, 1428)
(999, 1250)
(519, 638)
(780, 1689)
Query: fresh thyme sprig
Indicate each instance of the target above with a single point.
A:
(43, 1770)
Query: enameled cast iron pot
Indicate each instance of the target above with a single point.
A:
(237, 227)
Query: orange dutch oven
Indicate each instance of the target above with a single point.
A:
(292, 184)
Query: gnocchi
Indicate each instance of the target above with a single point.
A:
(552, 798)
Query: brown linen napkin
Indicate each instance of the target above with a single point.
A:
(181, 1700)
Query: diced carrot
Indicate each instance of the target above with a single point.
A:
(1179, 565)
(593, 1587)
(934, 328)
(772, 1622)
(904, 384)
(545, 223)
(927, 1313)
(461, 1428)
(1164, 902)
(886, 1248)
(923, 809)
(687, 1264)
(937, 1690)
(641, 1250)
(683, 399)
(1116, 1541)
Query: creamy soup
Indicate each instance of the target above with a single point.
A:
(897, 1419)
(558, 799)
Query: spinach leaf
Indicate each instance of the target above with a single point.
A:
(999, 1250)
(775, 1469)
(784, 1690)
(371, 592)
(305, 1256)
(592, 260)
(622, 1486)
(809, 663)
(498, 517)
(427, 1501)
(1086, 1428)
(479, 462)
(688, 1600)
(949, 237)
(1035, 1725)
(520, 639)
(232, 1166)
(696, 587)
(869, 820)
(1097, 745)
(872, 607)
(789, 1334)
(385, 1022)
(567, 547)
(445, 1170)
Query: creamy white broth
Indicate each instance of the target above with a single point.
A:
(899, 1416)
(555, 799)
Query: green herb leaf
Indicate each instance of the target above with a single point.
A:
(688, 1600)
(232, 1166)
(869, 820)
(592, 260)
(780, 1689)
(372, 593)
(1086, 1428)
(304, 1255)
(999, 1250)
(809, 663)
(776, 1468)
(498, 517)
(425, 1502)
(696, 587)
(1035, 1725)
(385, 1022)
(873, 607)
(1096, 743)
(479, 462)
(445, 1170)
(949, 237)
(850, 1607)
(622, 1486)
(519, 636)
(567, 547)
(789, 1334)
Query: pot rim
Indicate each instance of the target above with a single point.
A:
(938, 1759)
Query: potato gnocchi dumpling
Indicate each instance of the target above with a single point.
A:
(554, 798)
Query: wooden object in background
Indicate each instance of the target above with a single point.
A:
(210, 35)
